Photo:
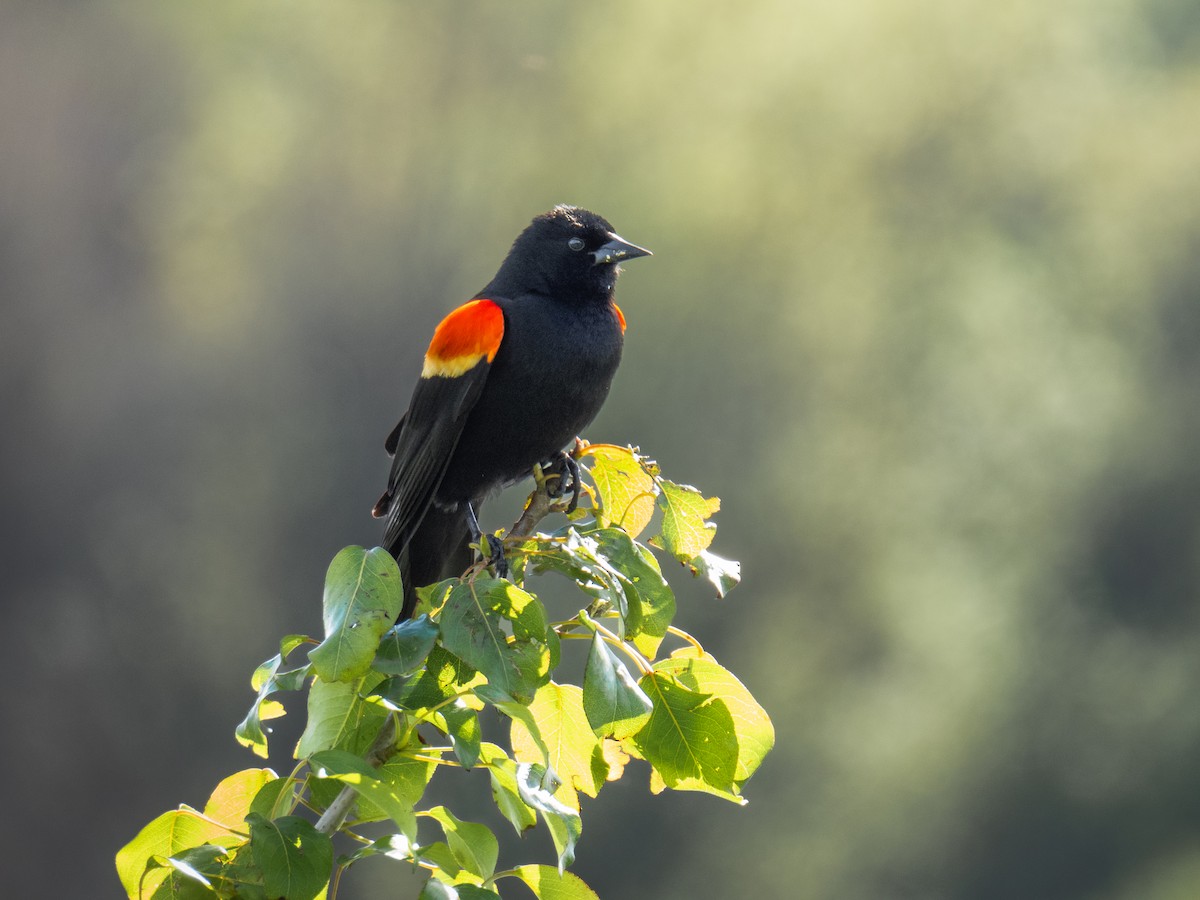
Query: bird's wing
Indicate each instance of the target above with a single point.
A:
(456, 368)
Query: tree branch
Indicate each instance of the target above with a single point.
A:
(338, 811)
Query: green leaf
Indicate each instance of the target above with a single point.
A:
(444, 676)
(723, 574)
(472, 629)
(686, 531)
(405, 777)
(439, 854)
(474, 846)
(516, 711)
(690, 738)
(577, 558)
(188, 879)
(612, 701)
(753, 731)
(566, 736)
(609, 761)
(296, 859)
(649, 601)
(548, 883)
(395, 846)
(244, 877)
(505, 793)
(536, 787)
(167, 835)
(356, 772)
(270, 800)
(462, 727)
(627, 490)
(267, 680)
(405, 646)
(436, 889)
(231, 799)
(338, 717)
(362, 599)
(474, 892)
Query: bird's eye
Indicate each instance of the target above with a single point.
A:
(575, 243)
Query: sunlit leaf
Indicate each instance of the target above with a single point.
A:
(230, 800)
(193, 873)
(649, 600)
(548, 883)
(472, 629)
(753, 730)
(690, 736)
(462, 728)
(505, 793)
(473, 845)
(627, 490)
(686, 531)
(443, 676)
(567, 737)
(338, 717)
(168, 835)
(536, 788)
(362, 599)
(612, 701)
(436, 889)
(390, 798)
(723, 574)
(267, 680)
(609, 760)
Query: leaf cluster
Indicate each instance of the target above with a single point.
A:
(390, 705)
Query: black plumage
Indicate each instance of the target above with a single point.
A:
(508, 382)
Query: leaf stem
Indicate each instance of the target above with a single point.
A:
(680, 633)
(644, 665)
(507, 873)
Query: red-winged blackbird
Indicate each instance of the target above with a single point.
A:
(510, 379)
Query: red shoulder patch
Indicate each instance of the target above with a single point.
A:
(467, 335)
(620, 317)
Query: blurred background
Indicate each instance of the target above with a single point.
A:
(924, 312)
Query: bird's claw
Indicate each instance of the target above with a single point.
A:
(567, 469)
(495, 559)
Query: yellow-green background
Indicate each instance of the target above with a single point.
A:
(924, 312)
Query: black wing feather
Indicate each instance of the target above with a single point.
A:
(422, 446)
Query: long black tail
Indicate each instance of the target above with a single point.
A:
(439, 548)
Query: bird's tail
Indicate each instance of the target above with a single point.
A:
(439, 548)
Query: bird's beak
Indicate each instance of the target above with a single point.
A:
(616, 250)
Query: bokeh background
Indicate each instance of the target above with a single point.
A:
(924, 312)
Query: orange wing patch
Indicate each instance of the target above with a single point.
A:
(620, 317)
(467, 335)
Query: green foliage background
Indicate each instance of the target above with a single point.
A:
(923, 312)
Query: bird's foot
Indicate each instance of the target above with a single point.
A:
(562, 477)
(495, 559)
(491, 547)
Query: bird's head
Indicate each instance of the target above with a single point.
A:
(567, 251)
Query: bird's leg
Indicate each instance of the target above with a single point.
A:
(567, 469)
(494, 557)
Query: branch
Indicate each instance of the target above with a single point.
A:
(540, 503)
(338, 811)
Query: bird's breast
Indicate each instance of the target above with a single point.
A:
(546, 384)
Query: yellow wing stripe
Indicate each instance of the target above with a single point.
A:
(467, 335)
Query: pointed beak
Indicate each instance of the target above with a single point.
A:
(616, 250)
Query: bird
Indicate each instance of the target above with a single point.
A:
(510, 379)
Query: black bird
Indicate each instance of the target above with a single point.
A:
(509, 380)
